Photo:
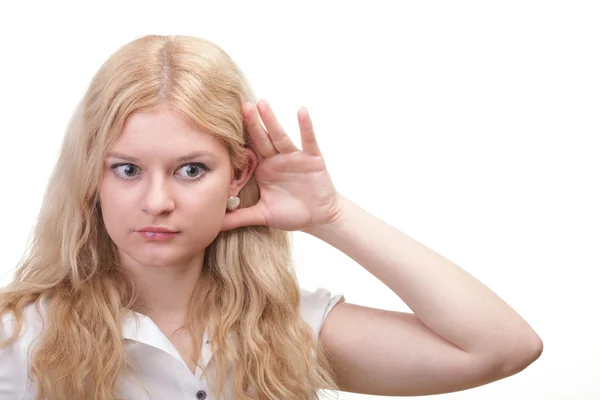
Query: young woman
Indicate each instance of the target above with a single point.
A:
(160, 264)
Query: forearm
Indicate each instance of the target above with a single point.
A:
(445, 298)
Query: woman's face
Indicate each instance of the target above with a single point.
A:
(162, 171)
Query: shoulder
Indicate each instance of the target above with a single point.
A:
(315, 306)
(15, 358)
(33, 319)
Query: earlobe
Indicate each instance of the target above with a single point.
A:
(233, 202)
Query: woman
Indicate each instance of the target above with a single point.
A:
(160, 265)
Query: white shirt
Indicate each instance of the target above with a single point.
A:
(159, 366)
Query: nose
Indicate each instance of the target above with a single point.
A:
(158, 198)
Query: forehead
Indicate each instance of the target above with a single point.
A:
(163, 131)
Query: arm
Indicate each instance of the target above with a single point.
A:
(461, 334)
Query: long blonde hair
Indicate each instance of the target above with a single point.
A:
(248, 288)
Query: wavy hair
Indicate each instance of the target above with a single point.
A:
(248, 289)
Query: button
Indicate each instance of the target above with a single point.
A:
(201, 395)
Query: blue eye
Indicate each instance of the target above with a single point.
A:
(127, 169)
(198, 170)
(192, 171)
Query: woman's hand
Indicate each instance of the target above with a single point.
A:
(296, 192)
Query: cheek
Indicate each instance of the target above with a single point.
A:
(203, 215)
(203, 209)
(115, 210)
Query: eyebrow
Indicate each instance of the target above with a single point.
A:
(190, 156)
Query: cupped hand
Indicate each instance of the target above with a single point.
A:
(296, 191)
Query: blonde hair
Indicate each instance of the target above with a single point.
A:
(248, 288)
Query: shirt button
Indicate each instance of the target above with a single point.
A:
(201, 395)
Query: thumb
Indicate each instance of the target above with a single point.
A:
(244, 217)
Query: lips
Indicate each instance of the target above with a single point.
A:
(157, 229)
(157, 234)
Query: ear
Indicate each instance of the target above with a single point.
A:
(238, 182)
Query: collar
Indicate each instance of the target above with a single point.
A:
(140, 328)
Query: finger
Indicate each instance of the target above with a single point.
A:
(279, 138)
(243, 217)
(258, 135)
(307, 133)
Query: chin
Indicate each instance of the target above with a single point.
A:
(151, 255)
(160, 257)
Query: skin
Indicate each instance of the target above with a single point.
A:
(461, 334)
(157, 189)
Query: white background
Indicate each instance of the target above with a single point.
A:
(471, 126)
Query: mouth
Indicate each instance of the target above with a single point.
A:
(157, 233)
(157, 228)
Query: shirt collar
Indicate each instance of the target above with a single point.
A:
(140, 328)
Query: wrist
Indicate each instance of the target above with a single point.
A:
(338, 218)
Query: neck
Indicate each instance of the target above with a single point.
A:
(164, 292)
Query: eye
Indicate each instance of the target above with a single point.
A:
(194, 171)
(124, 171)
(191, 171)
